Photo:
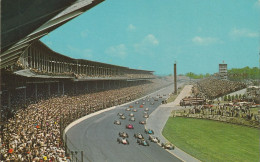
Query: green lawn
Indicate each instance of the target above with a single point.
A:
(213, 141)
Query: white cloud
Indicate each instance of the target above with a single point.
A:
(130, 27)
(257, 3)
(243, 33)
(117, 51)
(148, 42)
(84, 33)
(80, 53)
(205, 40)
(150, 39)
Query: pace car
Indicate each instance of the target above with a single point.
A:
(129, 126)
(154, 139)
(149, 131)
(117, 122)
(122, 117)
(168, 146)
(123, 134)
(143, 142)
(123, 141)
(132, 119)
(138, 136)
(142, 122)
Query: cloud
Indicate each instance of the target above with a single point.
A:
(84, 33)
(148, 42)
(130, 27)
(80, 53)
(243, 33)
(205, 40)
(117, 51)
(257, 3)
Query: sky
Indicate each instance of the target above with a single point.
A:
(153, 34)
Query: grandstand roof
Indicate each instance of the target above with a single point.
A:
(27, 21)
(39, 43)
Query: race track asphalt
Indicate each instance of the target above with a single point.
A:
(97, 136)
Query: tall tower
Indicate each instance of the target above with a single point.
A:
(175, 79)
(223, 71)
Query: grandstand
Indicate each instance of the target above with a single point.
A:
(42, 90)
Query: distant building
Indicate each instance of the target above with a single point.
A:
(223, 71)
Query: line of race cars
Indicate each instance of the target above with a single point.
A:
(123, 136)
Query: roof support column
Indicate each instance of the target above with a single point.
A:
(63, 88)
(9, 98)
(49, 89)
(36, 95)
(58, 87)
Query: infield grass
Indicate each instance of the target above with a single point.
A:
(213, 141)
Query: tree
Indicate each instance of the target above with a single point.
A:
(225, 98)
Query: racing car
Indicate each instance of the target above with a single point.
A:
(117, 122)
(138, 135)
(123, 134)
(149, 131)
(136, 102)
(142, 122)
(146, 109)
(143, 99)
(142, 142)
(122, 117)
(132, 119)
(123, 141)
(134, 110)
(146, 116)
(143, 103)
(129, 126)
(141, 106)
(120, 114)
(127, 109)
(168, 146)
(152, 103)
(131, 114)
(131, 106)
(154, 139)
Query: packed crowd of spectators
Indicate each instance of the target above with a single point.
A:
(212, 88)
(34, 132)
